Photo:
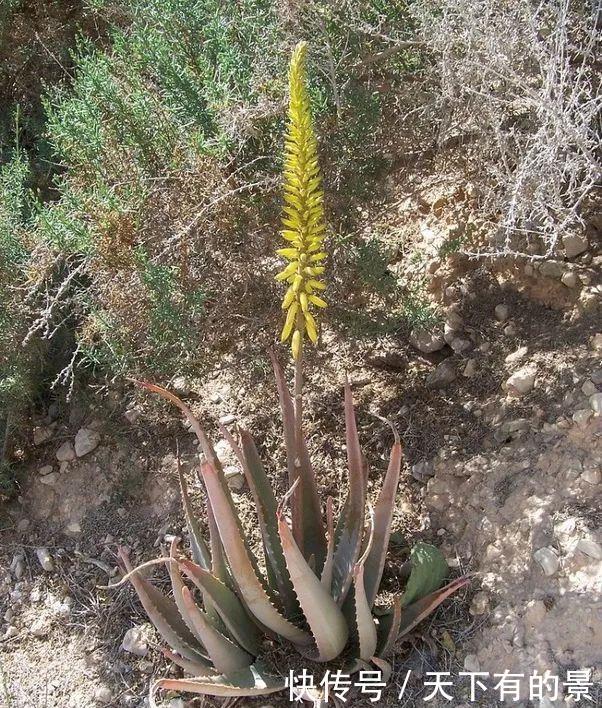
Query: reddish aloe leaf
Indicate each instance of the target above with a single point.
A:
(227, 605)
(388, 628)
(326, 578)
(364, 622)
(194, 668)
(253, 681)
(417, 611)
(383, 515)
(308, 528)
(199, 549)
(326, 621)
(226, 656)
(164, 614)
(351, 523)
(239, 557)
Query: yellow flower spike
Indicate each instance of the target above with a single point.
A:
(303, 212)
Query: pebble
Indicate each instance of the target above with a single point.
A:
(595, 403)
(548, 559)
(41, 434)
(479, 604)
(40, 627)
(65, 453)
(11, 631)
(596, 377)
(589, 388)
(596, 342)
(425, 341)
(73, 528)
(510, 330)
(502, 312)
(23, 525)
(590, 548)
(471, 663)
(86, 440)
(46, 469)
(581, 417)
(443, 375)
(470, 369)
(103, 695)
(552, 269)
(454, 321)
(460, 346)
(180, 386)
(234, 479)
(45, 559)
(574, 245)
(17, 566)
(569, 279)
(50, 479)
(132, 415)
(423, 469)
(523, 380)
(227, 419)
(591, 475)
(134, 641)
(517, 355)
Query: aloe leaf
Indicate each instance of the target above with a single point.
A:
(326, 577)
(351, 523)
(265, 503)
(239, 558)
(194, 668)
(326, 621)
(226, 604)
(364, 622)
(225, 654)
(253, 681)
(383, 515)
(308, 528)
(388, 629)
(164, 614)
(199, 549)
(417, 611)
(428, 572)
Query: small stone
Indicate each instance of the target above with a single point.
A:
(547, 558)
(460, 346)
(595, 403)
(180, 386)
(574, 245)
(50, 479)
(444, 374)
(510, 330)
(470, 369)
(65, 453)
(45, 559)
(103, 695)
(454, 321)
(18, 566)
(523, 380)
(589, 388)
(11, 631)
(502, 312)
(73, 528)
(41, 434)
(234, 478)
(23, 525)
(552, 269)
(581, 417)
(86, 440)
(596, 377)
(422, 470)
(40, 627)
(425, 341)
(569, 279)
(134, 641)
(227, 419)
(591, 475)
(517, 355)
(132, 415)
(479, 604)
(471, 663)
(47, 469)
(590, 548)
(596, 342)
(528, 269)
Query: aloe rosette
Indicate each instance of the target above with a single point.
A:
(320, 600)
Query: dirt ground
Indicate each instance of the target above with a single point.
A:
(503, 441)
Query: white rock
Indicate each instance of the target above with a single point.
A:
(134, 641)
(444, 374)
(471, 663)
(422, 470)
(501, 312)
(73, 528)
(45, 558)
(50, 479)
(425, 341)
(574, 245)
(590, 548)
(103, 695)
(86, 440)
(479, 604)
(523, 380)
(40, 627)
(581, 417)
(65, 453)
(589, 388)
(547, 558)
(47, 469)
(132, 415)
(234, 479)
(510, 330)
(569, 279)
(18, 566)
(454, 321)
(227, 419)
(11, 631)
(595, 403)
(460, 345)
(470, 369)
(517, 355)
(180, 386)
(591, 475)
(41, 434)
(596, 342)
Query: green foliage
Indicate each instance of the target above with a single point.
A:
(372, 264)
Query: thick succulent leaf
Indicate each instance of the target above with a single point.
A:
(164, 614)
(388, 629)
(428, 572)
(326, 621)
(225, 654)
(226, 604)
(417, 611)
(384, 667)
(194, 668)
(265, 503)
(326, 577)
(199, 549)
(239, 558)
(383, 515)
(351, 523)
(364, 622)
(253, 681)
(308, 528)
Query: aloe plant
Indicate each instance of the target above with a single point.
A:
(321, 581)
